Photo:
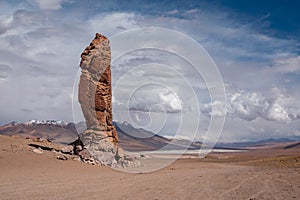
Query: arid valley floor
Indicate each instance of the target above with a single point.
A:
(262, 174)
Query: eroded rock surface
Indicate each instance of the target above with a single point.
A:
(95, 96)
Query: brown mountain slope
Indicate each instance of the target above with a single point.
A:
(57, 133)
(130, 138)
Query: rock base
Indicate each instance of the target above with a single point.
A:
(95, 147)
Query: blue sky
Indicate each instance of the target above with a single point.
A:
(255, 45)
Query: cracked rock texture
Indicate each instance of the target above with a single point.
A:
(95, 97)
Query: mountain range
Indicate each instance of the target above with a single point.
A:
(130, 138)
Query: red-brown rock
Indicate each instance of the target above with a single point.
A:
(95, 93)
(99, 142)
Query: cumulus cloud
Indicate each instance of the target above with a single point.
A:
(215, 108)
(245, 105)
(156, 100)
(249, 106)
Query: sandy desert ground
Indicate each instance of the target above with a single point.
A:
(255, 175)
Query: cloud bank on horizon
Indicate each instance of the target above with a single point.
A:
(255, 46)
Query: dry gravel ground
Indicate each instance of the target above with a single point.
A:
(28, 175)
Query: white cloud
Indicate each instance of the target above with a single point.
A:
(245, 105)
(19, 23)
(215, 108)
(48, 4)
(112, 23)
(290, 64)
(156, 100)
(274, 106)
(5, 23)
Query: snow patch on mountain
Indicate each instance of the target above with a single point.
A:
(47, 122)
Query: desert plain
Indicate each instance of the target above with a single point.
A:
(272, 173)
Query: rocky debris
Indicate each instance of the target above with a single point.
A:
(86, 157)
(38, 150)
(61, 153)
(61, 157)
(43, 140)
(76, 158)
(104, 152)
(68, 150)
(99, 143)
(107, 153)
(42, 147)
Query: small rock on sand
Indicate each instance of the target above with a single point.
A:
(67, 149)
(61, 157)
(38, 150)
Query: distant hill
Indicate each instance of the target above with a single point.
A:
(133, 139)
(267, 143)
(59, 132)
(130, 138)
